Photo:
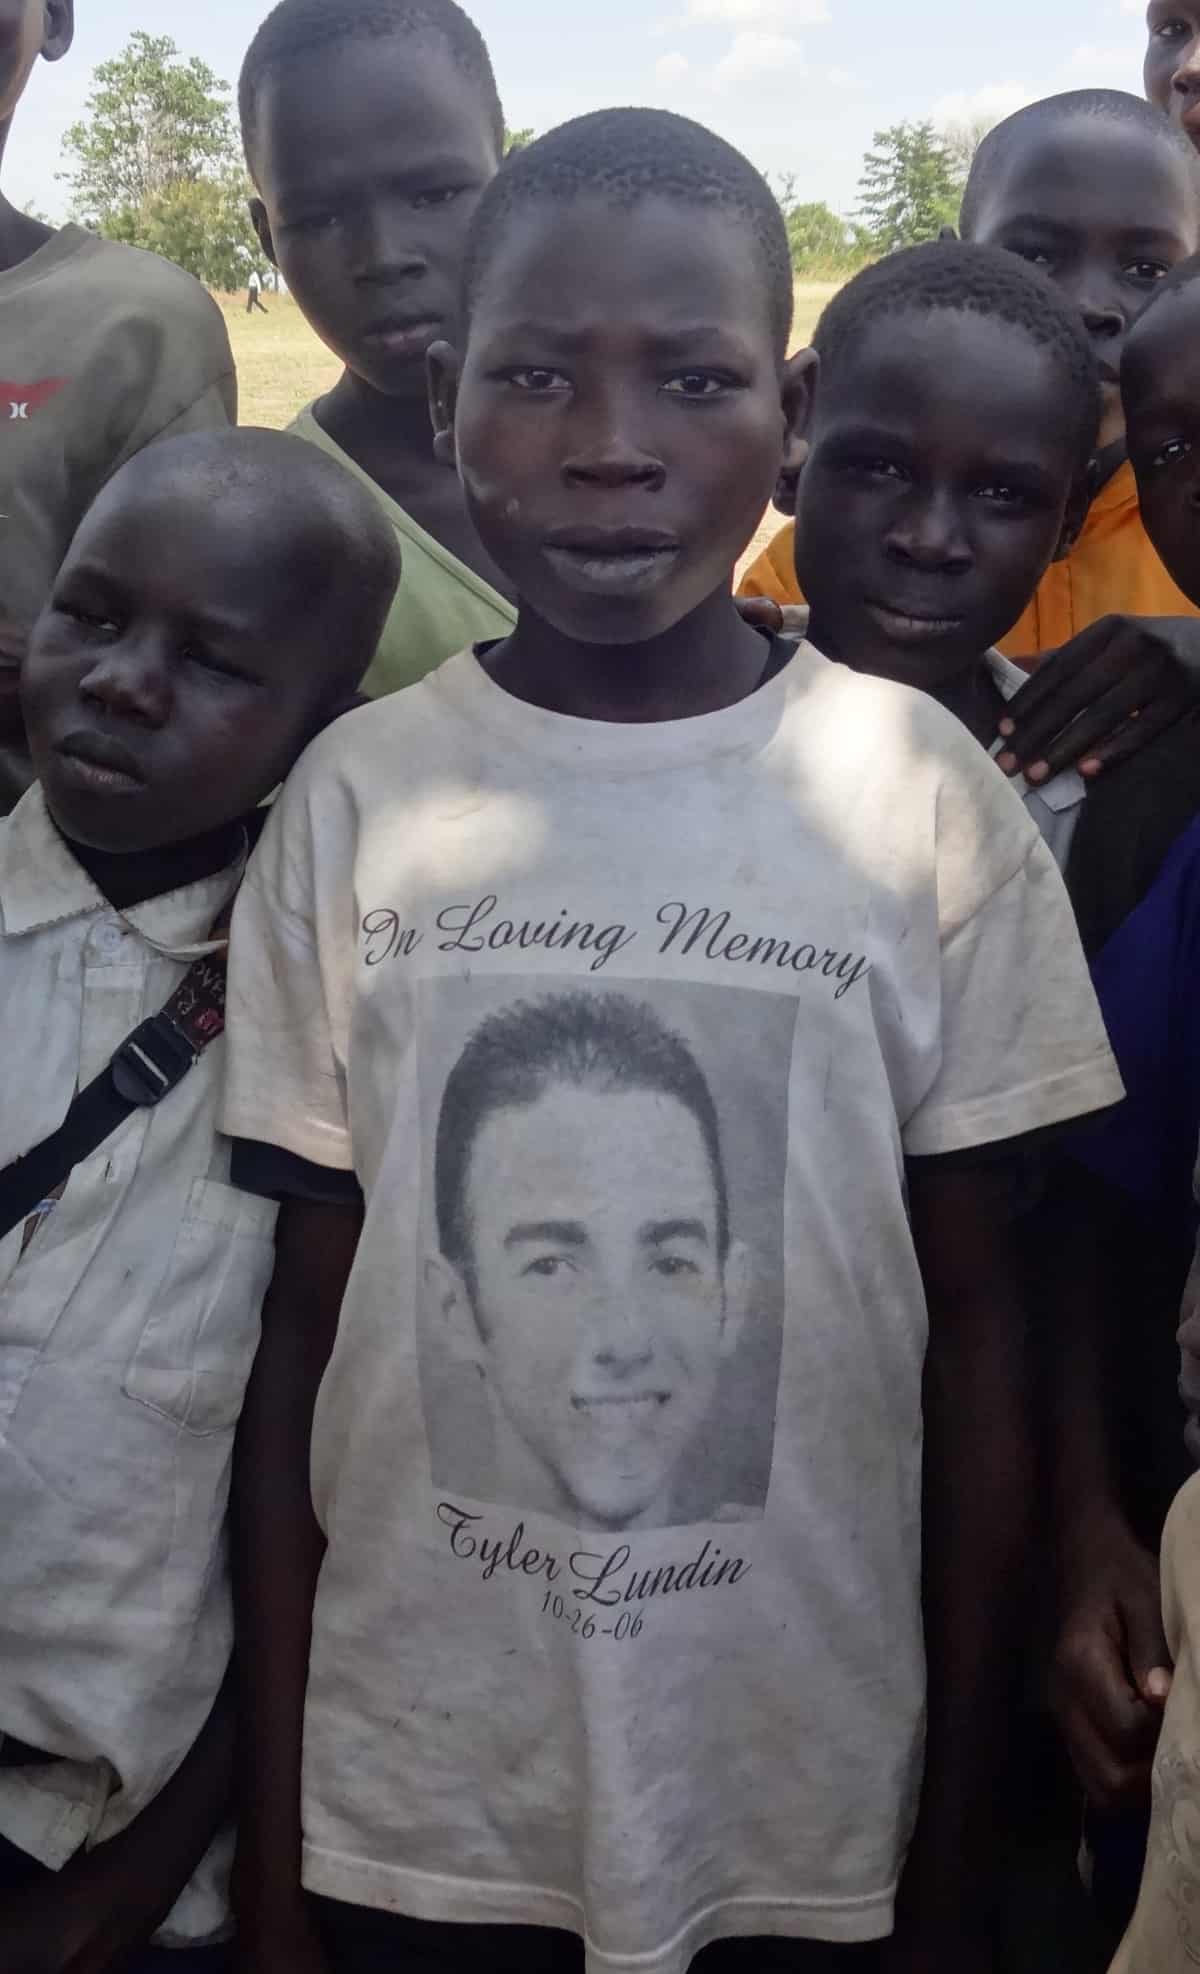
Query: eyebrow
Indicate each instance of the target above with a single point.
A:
(666, 342)
(563, 1233)
(1040, 222)
(656, 1233)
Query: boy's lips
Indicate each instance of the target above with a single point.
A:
(608, 561)
(98, 764)
(402, 337)
(905, 626)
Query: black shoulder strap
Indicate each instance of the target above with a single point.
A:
(149, 1063)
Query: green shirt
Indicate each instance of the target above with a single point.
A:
(441, 606)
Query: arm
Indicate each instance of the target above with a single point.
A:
(87, 1917)
(1078, 708)
(278, 1548)
(1112, 1667)
(976, 1526)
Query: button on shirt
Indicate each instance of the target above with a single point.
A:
(128, 1322)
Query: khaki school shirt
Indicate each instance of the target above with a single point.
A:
(103, 349)
(441, 604)
(128, 1325)
(619, 1623)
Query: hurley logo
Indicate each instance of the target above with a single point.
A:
(23, 400)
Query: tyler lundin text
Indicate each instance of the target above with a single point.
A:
(595, 1576)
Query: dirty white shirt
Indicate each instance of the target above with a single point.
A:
(127, 1331)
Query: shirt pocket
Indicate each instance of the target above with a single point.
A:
(196, 1351)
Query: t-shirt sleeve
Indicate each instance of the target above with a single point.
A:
(1022, 1043)
(288, 984)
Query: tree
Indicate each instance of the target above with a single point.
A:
(909, 187)
(202, 224)
(153, 121)
(516, 140)
(963, 138)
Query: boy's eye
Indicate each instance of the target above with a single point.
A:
(1170, 31)
(880, 469)
(1146, 270)
(312, 222)
(195, 654)
(1036, 256)
(698, 384)
(538, 380)
(90, 620)
(1003, 494)
(1172, 453)
(442, 195)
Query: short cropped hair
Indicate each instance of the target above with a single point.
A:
(300, 27)
(958, 278)
(626, 156)
(1113, 105)
(605, 1042)
(341, 534)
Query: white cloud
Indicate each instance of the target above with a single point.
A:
(845, 79)
(989, 103)
(1106, 65)
(671, 68)
(752, 55)
(754, 13)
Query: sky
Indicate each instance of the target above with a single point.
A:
(799, 85)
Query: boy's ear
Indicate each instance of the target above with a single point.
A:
(58, 28)
(443, 367)
(1078, 502)
(262, 226)
(800, 374)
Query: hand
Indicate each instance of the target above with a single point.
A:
(74, 1921)
(1112, 1673)
(1103, 696)
(761, 612)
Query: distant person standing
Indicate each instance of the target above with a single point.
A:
(254, 298)
(105, 350)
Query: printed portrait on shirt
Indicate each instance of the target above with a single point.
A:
(602, 1296)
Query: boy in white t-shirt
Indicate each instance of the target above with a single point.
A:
(620, 1014)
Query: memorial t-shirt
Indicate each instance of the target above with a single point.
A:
(627, 1031)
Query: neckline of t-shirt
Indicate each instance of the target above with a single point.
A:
(606, 746)
(403, 521)
(60, 247)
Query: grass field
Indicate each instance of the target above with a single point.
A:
(281, 365)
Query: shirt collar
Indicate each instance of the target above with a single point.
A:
(42, 884)
(1120, 490)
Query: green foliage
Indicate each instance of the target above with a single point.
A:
(909, 189)
(824, 246)
(516, 140)
(202, 224)
(156, 162)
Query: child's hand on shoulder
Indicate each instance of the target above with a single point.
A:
(1102, 697)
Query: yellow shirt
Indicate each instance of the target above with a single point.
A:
(1113, 566)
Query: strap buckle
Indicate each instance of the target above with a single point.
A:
(152, 1061)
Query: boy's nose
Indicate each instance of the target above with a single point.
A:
(1104, 321)
(129, 683)
(1186, 79)
(930, 536)
(614, 462)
